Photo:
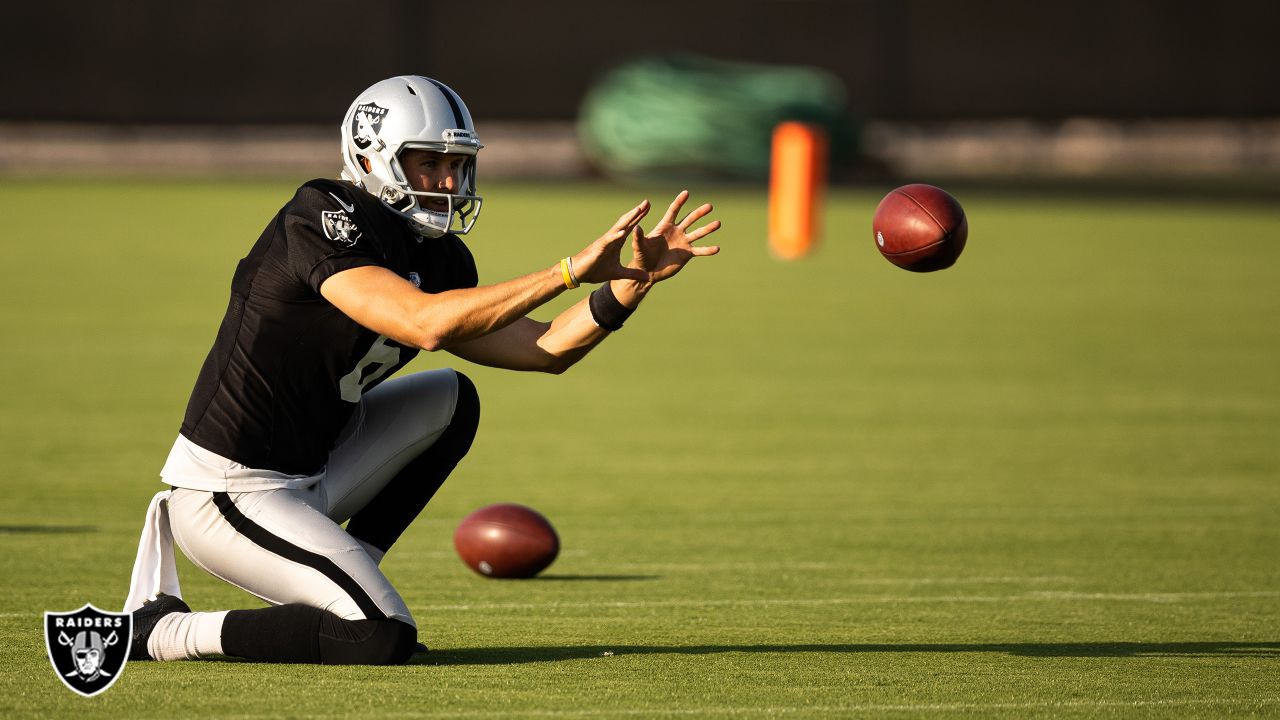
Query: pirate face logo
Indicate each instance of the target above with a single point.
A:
(367, 123)
(89, 650)
(88, 647)
(339, 227)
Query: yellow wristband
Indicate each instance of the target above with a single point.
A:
(566, 270)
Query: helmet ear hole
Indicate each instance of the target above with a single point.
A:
(396, 200)
(364, 163)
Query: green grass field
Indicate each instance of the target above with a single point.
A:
(1045, 482)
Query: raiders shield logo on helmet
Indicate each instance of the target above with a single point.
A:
(339, 227)
(366, 124)
(88, 647)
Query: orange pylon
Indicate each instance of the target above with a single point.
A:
(797, 182)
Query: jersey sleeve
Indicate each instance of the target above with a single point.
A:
(327, 233)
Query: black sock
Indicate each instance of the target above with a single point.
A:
(286, 634)
(388, 515)
(298, 633)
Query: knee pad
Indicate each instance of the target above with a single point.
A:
(365, 642)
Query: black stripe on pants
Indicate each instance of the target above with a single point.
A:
(274, 544)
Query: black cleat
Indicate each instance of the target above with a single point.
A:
(420, 649)
(145, 619)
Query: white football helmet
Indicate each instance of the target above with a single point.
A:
(405, 112)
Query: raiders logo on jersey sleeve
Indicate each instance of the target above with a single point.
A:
(339, 227)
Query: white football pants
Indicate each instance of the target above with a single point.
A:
(287, 545)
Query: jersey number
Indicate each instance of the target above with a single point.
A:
(375, 363)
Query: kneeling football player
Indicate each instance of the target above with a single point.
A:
(294, 426)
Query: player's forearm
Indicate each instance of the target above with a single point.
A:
(575, 332)
(456, 316)
(571, 335)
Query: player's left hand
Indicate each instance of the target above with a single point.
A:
(668, 247)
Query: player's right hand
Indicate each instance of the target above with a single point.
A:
(601, 262)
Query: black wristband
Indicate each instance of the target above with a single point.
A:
(606, 310)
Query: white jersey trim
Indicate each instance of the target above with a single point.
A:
(195, 468)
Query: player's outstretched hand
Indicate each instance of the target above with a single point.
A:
(668, 247)
(600, 261)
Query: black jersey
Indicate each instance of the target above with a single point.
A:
(287, 367)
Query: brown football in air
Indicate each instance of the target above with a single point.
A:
(506, 541)
(920, 228)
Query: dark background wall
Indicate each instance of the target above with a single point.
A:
(301, 61)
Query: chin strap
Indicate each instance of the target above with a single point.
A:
(155, 570)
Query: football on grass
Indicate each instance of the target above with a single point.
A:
(920, 228)
(506, 541)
